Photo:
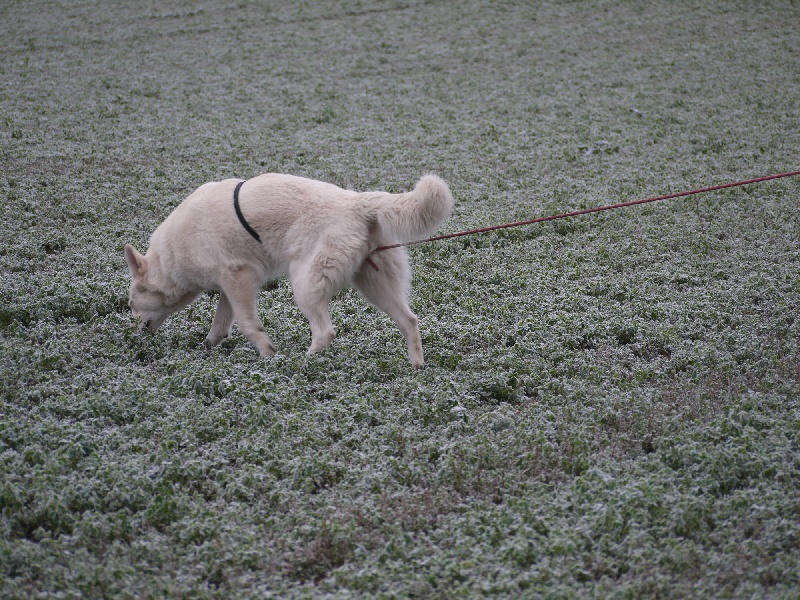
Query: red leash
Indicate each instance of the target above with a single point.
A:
(575, 213)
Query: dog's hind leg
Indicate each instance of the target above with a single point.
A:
(314, 282)
(387, 288)
(222, 323)
(313, 302)
(241, 292)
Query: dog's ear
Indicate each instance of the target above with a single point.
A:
(134, 259)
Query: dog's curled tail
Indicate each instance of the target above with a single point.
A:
(418, 213)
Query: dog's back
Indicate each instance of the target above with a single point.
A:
(275, 202)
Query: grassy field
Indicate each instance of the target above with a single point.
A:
(611, 404)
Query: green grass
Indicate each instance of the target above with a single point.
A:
(611, 404)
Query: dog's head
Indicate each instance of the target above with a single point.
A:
(147, 301)
(150, 302)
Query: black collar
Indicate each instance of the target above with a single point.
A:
(239, 214)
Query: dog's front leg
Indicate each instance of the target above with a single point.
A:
(222, 323)
(242, 294)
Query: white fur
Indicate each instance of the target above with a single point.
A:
(317, 233)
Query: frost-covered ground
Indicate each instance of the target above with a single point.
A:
(611, 404)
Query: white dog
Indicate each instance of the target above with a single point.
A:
(234, 236)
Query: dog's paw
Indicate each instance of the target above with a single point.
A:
(212, 341)
(415, 356)
(321, 341)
